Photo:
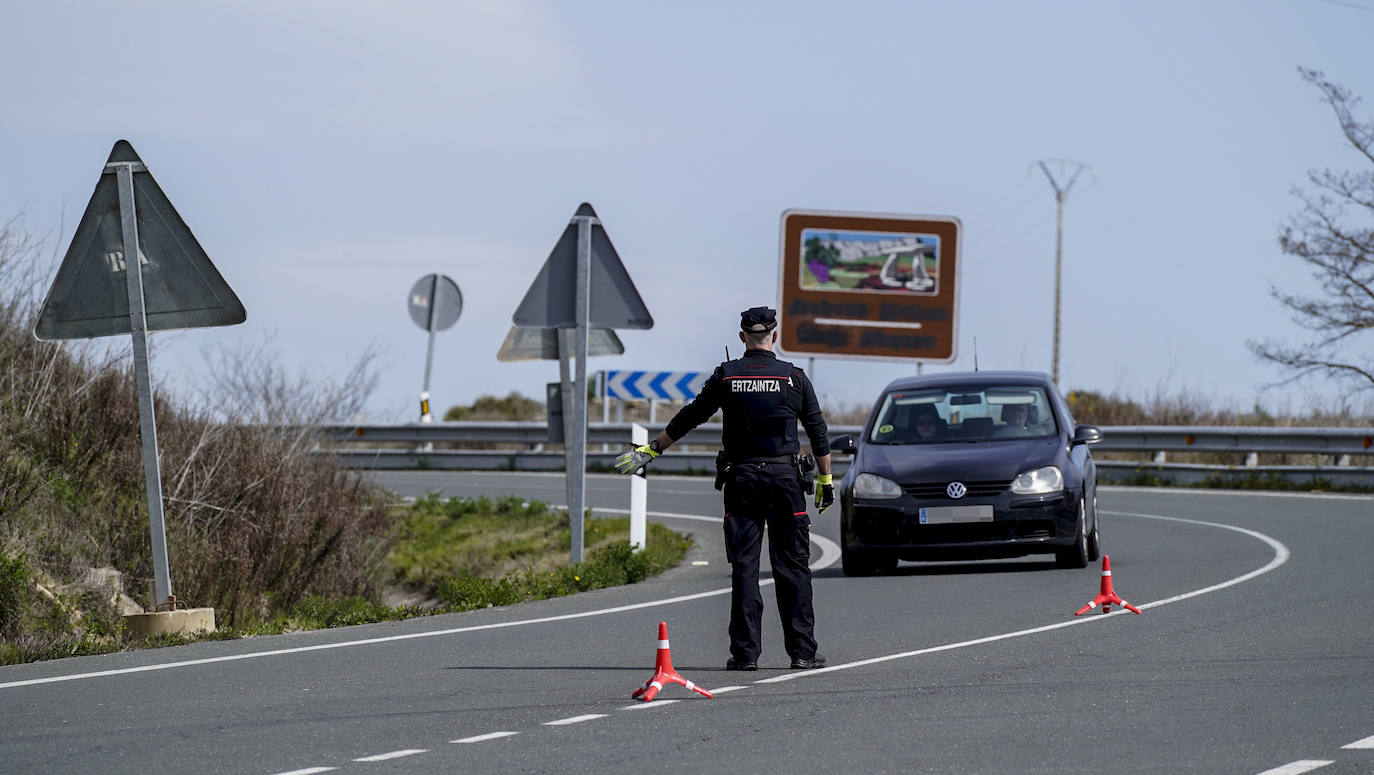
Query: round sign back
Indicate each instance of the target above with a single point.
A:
(435, 302)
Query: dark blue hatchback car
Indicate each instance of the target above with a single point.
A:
(972, 465)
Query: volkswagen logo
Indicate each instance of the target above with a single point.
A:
(956, 490)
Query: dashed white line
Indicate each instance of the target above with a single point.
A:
(484, 738)
(654, 704)
(1368, 742)
(1298, 767)
(1281, 555)
(381, 757)
(574, 720)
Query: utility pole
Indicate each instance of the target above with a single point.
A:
(1060, 194)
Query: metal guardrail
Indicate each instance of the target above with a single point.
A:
(412, 448)
(1239, 439)
(531, 433)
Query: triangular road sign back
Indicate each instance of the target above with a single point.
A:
(181, 288)
(535, 344)
(615, 303)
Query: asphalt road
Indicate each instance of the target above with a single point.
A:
(1254, 652)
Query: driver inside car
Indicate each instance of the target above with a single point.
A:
(1016, 414)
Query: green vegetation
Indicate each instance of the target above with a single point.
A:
(821, 253)
(518, 548)
(14, 593)
(495, 538)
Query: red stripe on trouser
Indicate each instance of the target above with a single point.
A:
(798, 513)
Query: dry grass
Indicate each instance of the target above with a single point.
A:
(254, 522)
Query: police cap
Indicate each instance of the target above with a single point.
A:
(757, 320)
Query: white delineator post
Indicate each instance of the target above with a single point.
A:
(639, 492)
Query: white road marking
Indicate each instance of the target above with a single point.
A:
(1298, 767)
(308, 771)
(654, 704)
(484, 738)
(830, 553)
(1281, 555)
(1368, 742)
(381, 757)
(574, 720)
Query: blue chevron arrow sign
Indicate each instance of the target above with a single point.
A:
(663, 385)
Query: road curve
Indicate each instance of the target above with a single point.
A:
(1253, 653)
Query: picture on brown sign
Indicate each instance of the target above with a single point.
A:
(869, 261)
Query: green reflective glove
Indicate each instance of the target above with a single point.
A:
(634, 460)
(825, 492)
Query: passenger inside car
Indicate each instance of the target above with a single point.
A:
(929, 426)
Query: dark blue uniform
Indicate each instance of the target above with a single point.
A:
(762, 399)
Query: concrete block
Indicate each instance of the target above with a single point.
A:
(185, 621)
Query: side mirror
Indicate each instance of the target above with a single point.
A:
(844, 443)
(1086, 434)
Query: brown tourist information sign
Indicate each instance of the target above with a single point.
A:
(869, 285)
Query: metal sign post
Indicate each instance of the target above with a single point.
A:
(602, 295)
(435, 303)
(565, 399)
(577, 469)
(147, 423)
(169, 282)
(425, 415)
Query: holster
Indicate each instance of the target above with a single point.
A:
(806, 470)
(722, 465)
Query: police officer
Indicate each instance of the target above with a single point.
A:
(762, 399)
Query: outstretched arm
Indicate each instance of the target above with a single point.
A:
(696, 412)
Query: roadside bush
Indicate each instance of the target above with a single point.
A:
(513, 407)
(317, 612)
(16, 595)
(255, 522)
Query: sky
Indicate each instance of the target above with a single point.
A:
(328, 154)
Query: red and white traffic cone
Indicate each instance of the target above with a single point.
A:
(664, 672)
(1107, 597)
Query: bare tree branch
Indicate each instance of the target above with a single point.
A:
(1339, 255)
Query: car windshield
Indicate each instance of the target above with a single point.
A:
(963, 414)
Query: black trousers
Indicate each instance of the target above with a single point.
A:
(757, 494)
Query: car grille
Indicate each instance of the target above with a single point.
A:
(936, 490)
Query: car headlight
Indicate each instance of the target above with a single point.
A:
(874, 486)
(1039, 481)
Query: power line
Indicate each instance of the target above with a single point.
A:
(1350, 5)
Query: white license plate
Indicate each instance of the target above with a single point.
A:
(944, 515)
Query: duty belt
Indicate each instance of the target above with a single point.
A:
(789, 459)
